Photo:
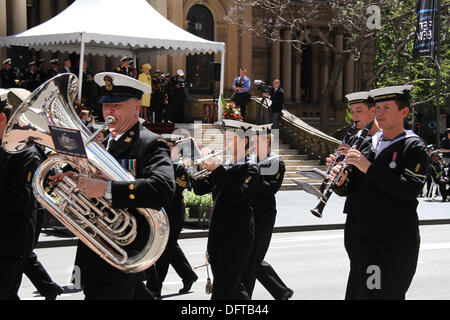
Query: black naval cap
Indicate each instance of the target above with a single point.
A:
(116, 87)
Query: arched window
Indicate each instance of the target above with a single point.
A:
(201, 24)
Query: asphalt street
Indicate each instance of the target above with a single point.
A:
(313, 263)
(307, 252)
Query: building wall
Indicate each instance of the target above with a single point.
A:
(263, 60)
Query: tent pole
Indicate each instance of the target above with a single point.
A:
(222, 76)
(80, 70)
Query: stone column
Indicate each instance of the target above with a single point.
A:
(61, 5)
(274, 61)
(286, 82)
(339, 45)
(349, 76)
(231, 57)
(161, 61)
(45, 13)
(246, 45)
(325, 68)
(3, 30)
(16, 11)
(315, 86)
(45, 7)
(177, 61)
(298, 77)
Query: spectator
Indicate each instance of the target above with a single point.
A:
(277, 98)
(445, 146)
(145, 77)
(241, 86)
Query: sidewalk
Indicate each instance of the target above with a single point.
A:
(293, 215)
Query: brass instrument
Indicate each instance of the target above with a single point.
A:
(194, 167)
(328, 190)
(104, 230)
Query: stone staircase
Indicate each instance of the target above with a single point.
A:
(211, 136)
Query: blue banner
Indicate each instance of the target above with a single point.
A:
(427, 30)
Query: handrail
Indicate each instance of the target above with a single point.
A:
(301, 135)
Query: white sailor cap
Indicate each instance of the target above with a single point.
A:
(126, 58)
(13, 97)
(3, 97)
(239, 126)
(7, 61)
(171, 137)
(436, 152)
(263, 129)
(117, 87)
(391, 93)
(359, 97)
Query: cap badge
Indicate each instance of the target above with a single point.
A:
(108, 83)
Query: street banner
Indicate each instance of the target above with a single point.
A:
(427, 32)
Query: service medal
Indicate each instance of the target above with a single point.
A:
(393, 164)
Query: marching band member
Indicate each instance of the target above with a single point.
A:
(394, 173)
(19, 208)
(176, 212)
(147, 156)
(231, 233)
(272, 169)
(362, 108)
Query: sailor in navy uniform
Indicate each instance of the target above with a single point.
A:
(176, 212)
(231, 233)
(125, 68)
(437, 173)
(362, 109)
(19, 207)
(395, 171)
(147, 156)
(7, 75)
(54, 68)
(272, 170)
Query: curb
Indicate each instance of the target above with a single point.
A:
(204, 234)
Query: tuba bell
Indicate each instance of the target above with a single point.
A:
(108, 232)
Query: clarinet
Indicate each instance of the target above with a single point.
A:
(317, 211)
(337, 157)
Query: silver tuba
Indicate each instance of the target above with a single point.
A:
(104, 230)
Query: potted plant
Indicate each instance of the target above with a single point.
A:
(198, 208)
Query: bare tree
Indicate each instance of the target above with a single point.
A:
(360, 22)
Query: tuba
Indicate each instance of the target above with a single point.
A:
(108, 232)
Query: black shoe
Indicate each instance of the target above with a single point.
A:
(187, 285)
(54, 292)
(287, 295)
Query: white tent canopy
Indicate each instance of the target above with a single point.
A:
(103, 27)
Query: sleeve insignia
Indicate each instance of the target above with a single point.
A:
(30, 175)
(417, 168)
(248, 179)
(278, 176)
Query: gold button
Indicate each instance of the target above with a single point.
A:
(132, 196)
(131, 187)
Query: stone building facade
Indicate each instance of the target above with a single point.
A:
(302, 76)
